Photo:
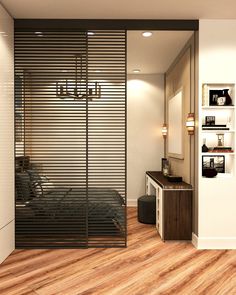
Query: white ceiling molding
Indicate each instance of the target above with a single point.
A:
(122, 9)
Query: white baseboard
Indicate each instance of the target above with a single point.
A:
(213, 243)
(195, 240)
(131, 202)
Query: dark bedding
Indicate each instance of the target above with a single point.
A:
(68, 207)
(101, 203)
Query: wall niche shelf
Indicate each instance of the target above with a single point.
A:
(218, 154)
(210, 92)
(220, 176)
(218, 107)
(218, 131)
(218, 127)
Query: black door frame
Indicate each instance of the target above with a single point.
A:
(107, 24)
(111, 24)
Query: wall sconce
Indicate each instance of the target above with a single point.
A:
(164, 131)
(190, 123)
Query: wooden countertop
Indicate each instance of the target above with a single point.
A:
(158, 177)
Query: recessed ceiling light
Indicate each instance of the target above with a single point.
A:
(90, 33)
(136, 71)
(147, 34)
(39, 34)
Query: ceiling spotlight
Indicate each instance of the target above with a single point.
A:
(90, 33)
(147, 34)
(136, 71)
(39, 34)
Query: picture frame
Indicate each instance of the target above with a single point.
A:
(213, 96)
(217, 162)
(210, 120)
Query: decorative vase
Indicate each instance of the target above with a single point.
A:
(209, 172)
(228, 99)
(205, 149)
(220, 139)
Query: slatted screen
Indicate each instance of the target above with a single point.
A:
(107, 135)
(70, 138)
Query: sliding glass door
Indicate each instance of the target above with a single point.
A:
(107, 138)
(70, 138)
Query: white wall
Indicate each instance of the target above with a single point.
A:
(144, 119)
(6, 135)
(217, 197)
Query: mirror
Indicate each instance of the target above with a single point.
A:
(175, 125)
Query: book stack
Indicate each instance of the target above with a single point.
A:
(222, 149)
(215, 127)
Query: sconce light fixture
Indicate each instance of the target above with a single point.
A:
(190, 123)
(164, 130)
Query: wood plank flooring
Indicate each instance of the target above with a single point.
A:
(147, 266)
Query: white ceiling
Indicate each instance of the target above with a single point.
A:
(152, 55)
(121, 9)
(156, 53)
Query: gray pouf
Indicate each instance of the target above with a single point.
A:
(147, 209)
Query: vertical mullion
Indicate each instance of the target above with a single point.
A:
(126, 138)
(87, 142)
(24, 113)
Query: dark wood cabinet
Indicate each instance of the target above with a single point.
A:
(173, 206)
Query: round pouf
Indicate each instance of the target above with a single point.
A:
(147, 209)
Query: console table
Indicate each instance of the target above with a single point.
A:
(173, 206)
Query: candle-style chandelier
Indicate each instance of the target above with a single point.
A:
(79, 88)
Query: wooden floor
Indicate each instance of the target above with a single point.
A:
(147, 266)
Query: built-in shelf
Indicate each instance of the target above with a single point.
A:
(218, 154)
(218, 107)
(217, 131)
(220, 175)
(223, 115)
(224, 175)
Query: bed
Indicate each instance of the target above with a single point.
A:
(68, 210)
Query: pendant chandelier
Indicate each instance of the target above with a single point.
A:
(78, 88)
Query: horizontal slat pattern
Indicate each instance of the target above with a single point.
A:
(54, 139)
(107, 132)
(70, 191)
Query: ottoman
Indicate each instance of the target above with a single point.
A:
(147, 209)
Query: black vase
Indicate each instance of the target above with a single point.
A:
(228, 99)
(209, 172)
(205, 149)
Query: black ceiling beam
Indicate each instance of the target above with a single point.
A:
(108, 24)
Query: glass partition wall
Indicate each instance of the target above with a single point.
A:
(70, 138)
